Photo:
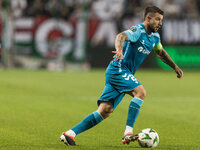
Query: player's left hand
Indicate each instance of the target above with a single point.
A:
(118, 55)
(179, 72)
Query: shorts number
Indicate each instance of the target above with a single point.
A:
(127, 77)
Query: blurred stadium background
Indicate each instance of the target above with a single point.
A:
(79, 34)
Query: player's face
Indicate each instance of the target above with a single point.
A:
(155, 22)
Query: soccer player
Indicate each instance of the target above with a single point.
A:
(132, 47)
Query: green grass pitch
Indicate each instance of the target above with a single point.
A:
(37, 106)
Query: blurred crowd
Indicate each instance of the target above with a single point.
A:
(104, 9)
(105, 19)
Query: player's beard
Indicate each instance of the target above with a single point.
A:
(151, 29)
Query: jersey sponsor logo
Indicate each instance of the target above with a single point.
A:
(144, 51)
(133, 29)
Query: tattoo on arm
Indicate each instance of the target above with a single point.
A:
(164, 56)
(119, 41)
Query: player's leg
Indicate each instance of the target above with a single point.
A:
(123, 80)
(104, 110)
(108, 101)
(139, 95)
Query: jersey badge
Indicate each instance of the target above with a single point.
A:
(133, 29)
(131, 32)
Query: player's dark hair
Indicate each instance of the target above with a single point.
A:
(153, 9)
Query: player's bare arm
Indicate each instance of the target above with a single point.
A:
(119, 42)
(164, 56)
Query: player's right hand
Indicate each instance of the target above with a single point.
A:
(118, 55)
(179, 72)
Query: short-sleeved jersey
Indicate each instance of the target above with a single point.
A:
(137, 47)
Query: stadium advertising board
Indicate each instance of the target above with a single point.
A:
(47, 37)
(183, 56)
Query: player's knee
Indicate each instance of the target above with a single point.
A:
(141, 94)
(105, 109)
(105, 115)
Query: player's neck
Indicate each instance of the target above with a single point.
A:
(146, 28)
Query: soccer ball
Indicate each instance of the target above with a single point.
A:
(148, 138)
